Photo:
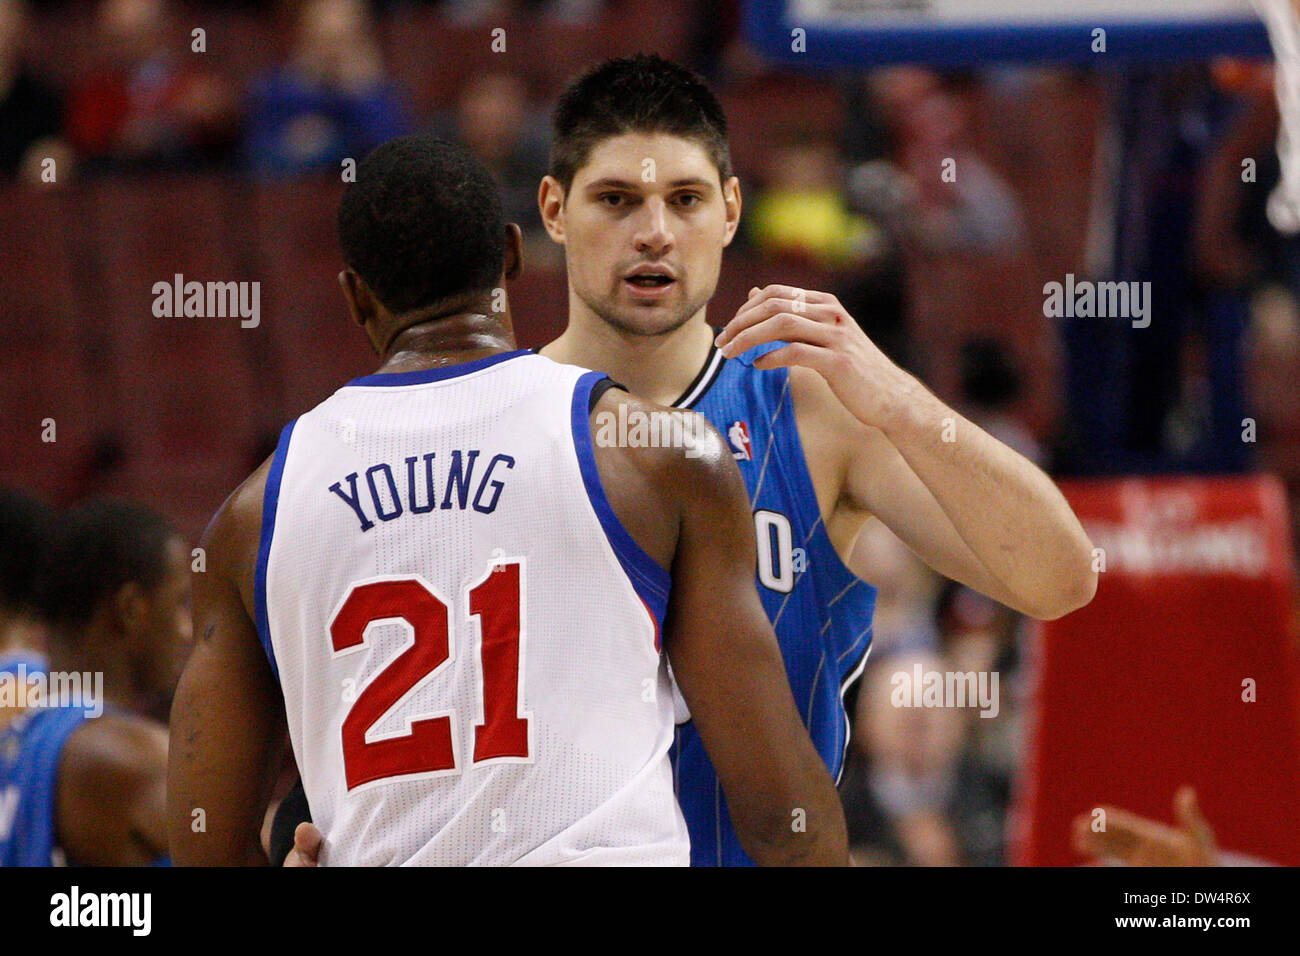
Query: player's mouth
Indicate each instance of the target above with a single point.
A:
(650, 282)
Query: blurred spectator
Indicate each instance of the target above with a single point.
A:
(801, 211)
(1188, 221)
(149, 101)
(936, 192)
(930, 786)
(494, 120)
(900, 772)
(333, 100)
(875, 294)
(991, 384)
(717, 46)
(910, 768)
(31, 110)
(870, 118)
(472, 12)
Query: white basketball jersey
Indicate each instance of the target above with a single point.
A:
(466, 637)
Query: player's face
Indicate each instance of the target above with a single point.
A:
(644, 225)
(167, 630)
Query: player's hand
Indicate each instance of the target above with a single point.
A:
(821, 336)
(307, 842)
(1137, 841)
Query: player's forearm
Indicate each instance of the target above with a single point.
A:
(197, 833)
(798, 823)
(1009, 513)
(220, 774)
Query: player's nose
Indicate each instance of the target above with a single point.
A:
(653, 235)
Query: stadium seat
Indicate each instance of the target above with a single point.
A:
(187, 392)
(44, 363)
(308, 335)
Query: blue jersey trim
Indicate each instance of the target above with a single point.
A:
(651, 581)
(426, 375)
(270, 501)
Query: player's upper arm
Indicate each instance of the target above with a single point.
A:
(728, 665)
(112, 792)
(227, 721)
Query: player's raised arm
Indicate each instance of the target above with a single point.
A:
(227, 722)
(967, 504)
(728, 665)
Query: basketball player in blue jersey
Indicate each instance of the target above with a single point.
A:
(83, 783)
(826, 430)
(427, 254)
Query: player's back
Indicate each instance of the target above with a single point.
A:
(31, 751)
(465, 636)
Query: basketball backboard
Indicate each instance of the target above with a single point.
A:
(865, 33)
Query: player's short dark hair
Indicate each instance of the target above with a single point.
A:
(635, 94)
(422, 223)
(26, 526)
(97, 547)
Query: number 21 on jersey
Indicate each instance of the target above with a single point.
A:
(428, 747)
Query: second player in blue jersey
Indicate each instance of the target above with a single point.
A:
(820, 610)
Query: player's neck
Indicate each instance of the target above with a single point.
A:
(443, 340)
(659, 368)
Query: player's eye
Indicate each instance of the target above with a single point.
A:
(689, 200)
(610, 199)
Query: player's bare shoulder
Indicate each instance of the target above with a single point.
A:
(231, 539)
(655, 462)
(112, 786)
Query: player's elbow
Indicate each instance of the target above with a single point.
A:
(786, 834)
(1071, 590)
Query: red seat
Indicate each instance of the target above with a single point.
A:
(186, 386)
(311, 339)
(44, 361)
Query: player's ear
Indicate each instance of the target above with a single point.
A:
(130, 607)
(357, 296)
(731, 202)
(514, 263)
(550, 202)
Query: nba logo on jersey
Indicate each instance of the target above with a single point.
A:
(738, 435)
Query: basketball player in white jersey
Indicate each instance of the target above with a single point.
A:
(459, 601)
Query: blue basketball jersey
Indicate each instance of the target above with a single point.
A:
(30, 751)
(821, 611)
